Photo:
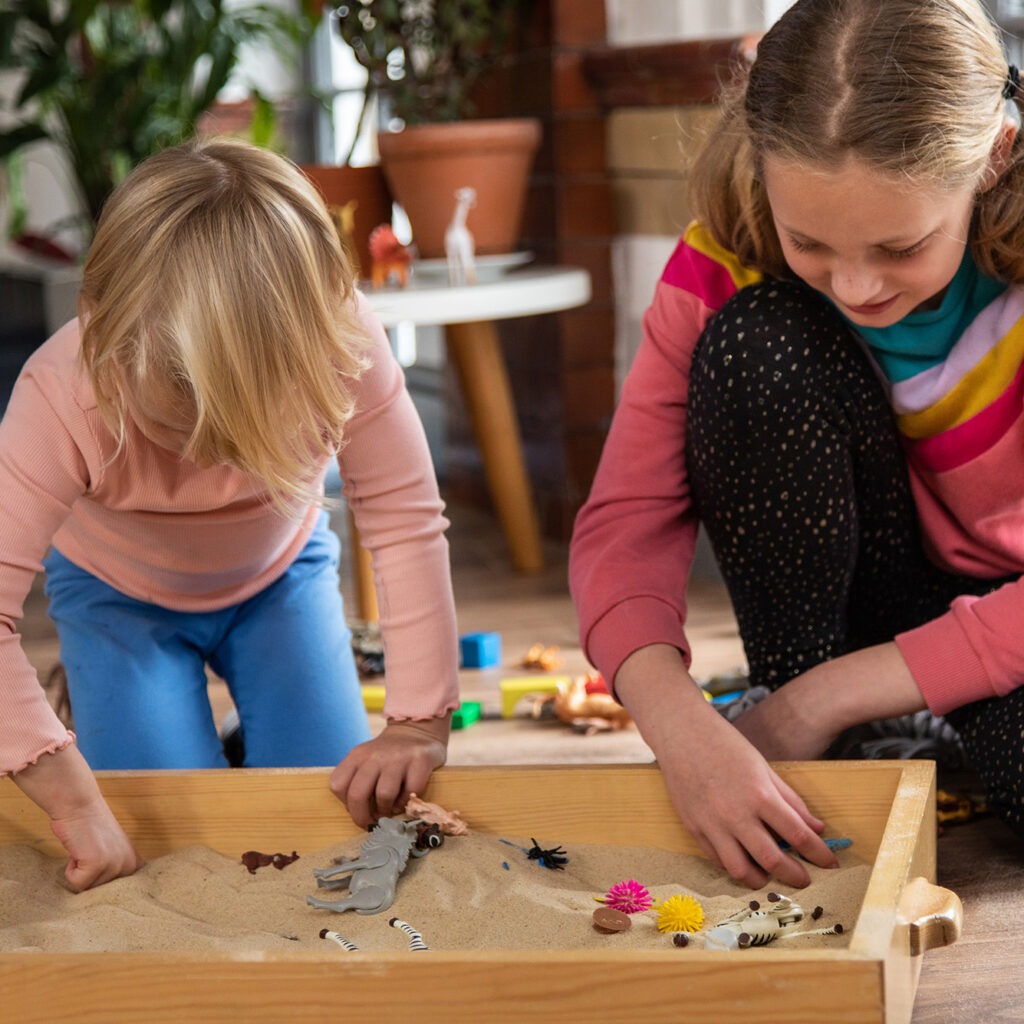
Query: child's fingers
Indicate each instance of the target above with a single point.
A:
(354, 787)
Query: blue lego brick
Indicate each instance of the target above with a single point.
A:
(480, 650)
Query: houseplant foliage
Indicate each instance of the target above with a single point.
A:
(423, 60)
(423, 57)
(112, 83)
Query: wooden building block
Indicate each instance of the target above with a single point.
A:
(514, 690)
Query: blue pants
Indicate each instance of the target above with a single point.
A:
(137, 679)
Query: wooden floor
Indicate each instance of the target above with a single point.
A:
(974, 981)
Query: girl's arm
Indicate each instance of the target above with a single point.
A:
(725, 793)
(63, 786)
(802, 719)
(392, 489)
(629, 565)
(46, 448)
(634, 539)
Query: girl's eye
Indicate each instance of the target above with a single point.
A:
(802, 246)
(903, 254)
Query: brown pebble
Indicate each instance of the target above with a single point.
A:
(816, 913)
(608, 919)
(681, 939)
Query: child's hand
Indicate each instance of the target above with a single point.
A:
(376, 778)
(99, 850)
(726, 794)
(63, 785)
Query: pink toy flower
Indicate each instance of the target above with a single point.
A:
(630, 897)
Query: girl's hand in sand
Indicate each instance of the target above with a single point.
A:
(63, 785)
(99, 850)
(725, 793)
(377, 777)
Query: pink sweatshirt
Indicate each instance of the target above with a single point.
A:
(162, 530)
(963, 428)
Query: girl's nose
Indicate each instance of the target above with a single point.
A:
(856, 286)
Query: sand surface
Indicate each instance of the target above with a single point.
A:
(474, 892)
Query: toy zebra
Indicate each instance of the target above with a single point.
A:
(754, 926)
(325, 933)
(416, 942)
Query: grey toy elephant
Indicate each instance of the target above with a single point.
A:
(371, 879)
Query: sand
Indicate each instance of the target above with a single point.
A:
(474, 892)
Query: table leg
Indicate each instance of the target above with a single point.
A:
(475, 352)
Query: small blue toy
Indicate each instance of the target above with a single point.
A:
(480, 650)
(835, 845)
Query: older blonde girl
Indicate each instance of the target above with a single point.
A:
(830, 382)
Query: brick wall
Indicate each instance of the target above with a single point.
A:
(611, 165)
(561, 365)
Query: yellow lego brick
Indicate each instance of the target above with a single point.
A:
(373, 697)
(514, 690)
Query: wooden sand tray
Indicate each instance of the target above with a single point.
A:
(886, 808)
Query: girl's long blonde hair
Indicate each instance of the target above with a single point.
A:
(217, 277)
(913, 88)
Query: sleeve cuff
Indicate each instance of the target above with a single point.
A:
(944, 665)
(627, 627)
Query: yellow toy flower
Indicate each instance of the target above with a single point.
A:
(680, 914)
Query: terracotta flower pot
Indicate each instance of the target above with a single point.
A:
(368, 189)
(425, 164)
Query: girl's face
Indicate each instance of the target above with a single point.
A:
(877, 249)
(160, 418)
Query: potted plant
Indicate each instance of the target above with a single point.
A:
(111, 83)
(423, 59)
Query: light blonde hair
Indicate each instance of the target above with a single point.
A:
(913, 88)
(216, 277)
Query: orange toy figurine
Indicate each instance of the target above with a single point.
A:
(344, 220)
(390, 258)
(585, 703)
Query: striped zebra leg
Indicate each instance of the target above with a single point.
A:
(836, 929)
(339, 939)
(415, 939)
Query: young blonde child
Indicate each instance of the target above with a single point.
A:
(171, 445)
(831, 382)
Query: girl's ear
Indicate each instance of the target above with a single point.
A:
(1000, 157)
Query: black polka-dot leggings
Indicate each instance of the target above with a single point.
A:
(801, 485)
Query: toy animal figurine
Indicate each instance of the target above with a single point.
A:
(390, 258)
(326, 933)
(757, 926)
(459, 248)
(585, 704)
(450, 822)
(344, 219)
(539, 656)
(416, 943)
(372, 877)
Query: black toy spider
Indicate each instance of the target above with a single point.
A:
(555, 858)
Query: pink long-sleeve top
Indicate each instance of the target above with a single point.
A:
(963, 429)
(162, 530)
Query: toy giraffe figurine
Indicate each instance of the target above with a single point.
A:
(458, 242)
